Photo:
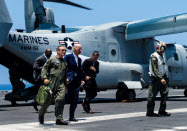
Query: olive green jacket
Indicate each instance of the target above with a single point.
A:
(55, 70)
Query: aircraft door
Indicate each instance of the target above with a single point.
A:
(113, 52)
(176, 66)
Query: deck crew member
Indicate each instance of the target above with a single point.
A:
(159, 81)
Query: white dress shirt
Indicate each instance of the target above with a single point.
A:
(46, 57)
(76, 58)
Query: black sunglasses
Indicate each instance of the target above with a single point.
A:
(63, 50)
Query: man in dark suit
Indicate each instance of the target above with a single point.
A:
(74, 78)
(90, 68)
(37, 67)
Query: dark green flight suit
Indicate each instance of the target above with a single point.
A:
(156, 86)
(55, 70)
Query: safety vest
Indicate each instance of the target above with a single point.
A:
(162, 67)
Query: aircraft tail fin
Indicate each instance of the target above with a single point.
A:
(5, 22)
(156, 27)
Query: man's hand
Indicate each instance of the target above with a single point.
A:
(92, 68)
(87, 78)
(163, 81)
(67, 81)
(46, 81)
(82, 82)
(50, 91)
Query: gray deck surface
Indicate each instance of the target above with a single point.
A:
(109, 115)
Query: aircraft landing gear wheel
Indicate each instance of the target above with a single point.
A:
(121, 93)
(131, 95)
(185, 92)
(13, 103)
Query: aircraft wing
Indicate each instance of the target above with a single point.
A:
(156, 27)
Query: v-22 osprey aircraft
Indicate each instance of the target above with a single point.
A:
(125, 47)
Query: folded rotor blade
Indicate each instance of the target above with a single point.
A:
(68, 3)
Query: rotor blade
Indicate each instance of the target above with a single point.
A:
(68, 3)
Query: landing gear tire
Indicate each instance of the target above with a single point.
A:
(131, 95)
(13, 103)
(123, 93)
(185, 92)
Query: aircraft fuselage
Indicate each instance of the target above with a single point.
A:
(120, 60)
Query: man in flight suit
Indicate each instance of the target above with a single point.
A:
(90, 68)
(54, 74)
(37, 68)
(159, 81)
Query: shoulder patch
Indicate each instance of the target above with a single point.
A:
(153, 58)
(57, 61)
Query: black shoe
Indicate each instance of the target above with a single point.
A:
(34, 104)
(164, 114)
(41, 119)
(152, 115)
(86, 109)
(73, 119)
(61, 122)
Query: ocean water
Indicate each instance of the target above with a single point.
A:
(7, 87)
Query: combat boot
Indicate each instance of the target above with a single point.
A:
(61, 122)
(41, 119)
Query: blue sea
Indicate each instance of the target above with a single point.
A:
(7, 87)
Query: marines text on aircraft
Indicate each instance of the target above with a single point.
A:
(124, 47)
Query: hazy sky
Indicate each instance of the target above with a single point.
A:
(104, 11)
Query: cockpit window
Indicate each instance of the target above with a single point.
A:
(176, 56)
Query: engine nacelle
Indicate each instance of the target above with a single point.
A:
(49, 16)
(5, 22)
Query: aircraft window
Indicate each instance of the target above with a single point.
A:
(113, 52)
(176, 56)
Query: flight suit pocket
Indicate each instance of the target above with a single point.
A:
(55, 69)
